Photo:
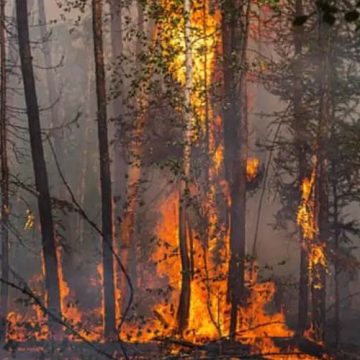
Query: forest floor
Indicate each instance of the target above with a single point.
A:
(159, 351)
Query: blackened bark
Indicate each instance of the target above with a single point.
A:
(40, 171)
(4, 178)
(66, 261)
(318, 288)
(185, 291)
(105, 177)
(303, 300)
(337, 324)
(51, 88)
(300, 142)
(234, 36)
(117, 113)
(120, 166)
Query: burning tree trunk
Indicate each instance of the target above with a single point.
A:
(185, 292)
(318, 285)
(40, 171)
(4, 177)
(105, 177)
(234, 37)
(299, 127)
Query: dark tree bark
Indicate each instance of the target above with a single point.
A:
(117, 113)
(40, 171)
(105, 176)
(300, 139)
(4, 177)
(66, 261)
(185, 291)
(51, 88)
(119, 163)
(318, 286)
(234, 36)
(334, 186)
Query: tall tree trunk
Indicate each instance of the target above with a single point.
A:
(85, 159)
(117, 113)
(119, 172)
(51, 88)
(4, 177)
(299, 127)
(40, 171)
(235, 17)
(67, 258)
(105, 176)
(336, 252)
(206, 102)
(318, 286)
(185, 291)
(135, 163)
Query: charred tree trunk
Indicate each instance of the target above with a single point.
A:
(51, 88)
(40, 171)
(68, 256)
(299, 127)
(4, 178)
(105, 176)
(117, 113)
(334, 186)
(119, 169)
(318, 286)
(86, 154)
(234, 37)
(185, 291)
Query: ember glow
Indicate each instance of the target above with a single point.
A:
(252, 168)
(307, 221)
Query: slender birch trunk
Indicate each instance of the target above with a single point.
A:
(185, 292)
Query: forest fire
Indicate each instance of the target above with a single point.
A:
(252, 168)
(307, 220)
(154, 231)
